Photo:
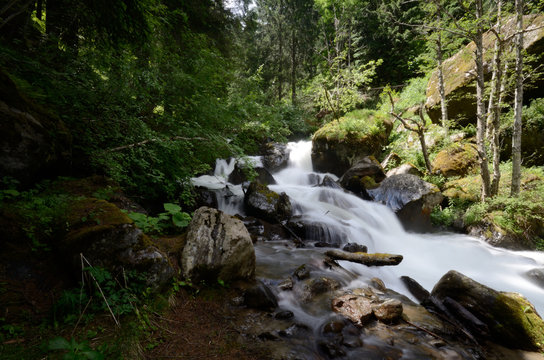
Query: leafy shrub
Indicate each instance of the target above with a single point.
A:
(172, 218)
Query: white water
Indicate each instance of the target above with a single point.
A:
(427, 257)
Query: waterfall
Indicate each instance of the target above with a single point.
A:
(427, 257)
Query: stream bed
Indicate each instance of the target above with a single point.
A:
(342, 217)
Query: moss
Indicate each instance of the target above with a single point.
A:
(518, 316)
(456, 160)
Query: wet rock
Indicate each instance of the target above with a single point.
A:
(364, 258)
(242, 171)
(275, 156)
(333, 327)
(456, 160)
(316, 231)
(411, 198)
(264, 203)
(390, 311)
(493, 234)
(296, 330)
(302, 272)
(286, 284)
(364, 175)
(356, 308)
(354, 248)
(536, 276)
(284, 315)
(378, 284)
(261, 230)
(267, 335)
(416, 289)
(325, 245)
(329, 182)
(318, 286)
(260, 297)
(405, 169)
(237, 301)
(218, 247)
(107, 238)
(205, 197)
(511, 319)
(331, 348)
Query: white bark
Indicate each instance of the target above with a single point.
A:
(518, 103)
(480, 104)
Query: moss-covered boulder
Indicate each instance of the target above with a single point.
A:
(107, 238)
(510, 319)
(34, 143)
(341, 143)
(266, 204)
(460, 72)
(456, 160)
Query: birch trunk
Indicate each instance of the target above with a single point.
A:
(441, 86)
(480, 105)
(518, 102)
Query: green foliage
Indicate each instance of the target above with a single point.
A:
(171, 219)
(73, 350)
(358, 124)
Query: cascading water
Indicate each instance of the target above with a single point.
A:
(347, 218)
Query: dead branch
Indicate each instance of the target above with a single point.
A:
(144, 142)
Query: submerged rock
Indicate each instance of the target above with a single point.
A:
(218, 247)
(411, 198)
(264, 203)
(356, 308)
(330, 183)
(260, 297)
(354, 248)
(389, 311)
(364, 258)
(509, 317)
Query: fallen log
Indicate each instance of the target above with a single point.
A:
(364, 258)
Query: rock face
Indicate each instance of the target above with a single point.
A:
(275, 156)
(493, 234)
(218, 246)
(108, 238)
(356, 308)
(335, 150)
(33, 142)
(456, 160)
(410, 197)
(264, 203)
(460, 72)
(510, 319)
(365, 174)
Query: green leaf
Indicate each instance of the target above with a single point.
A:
(93, 355)
(181, 219)
(172, 208)
(59, 343)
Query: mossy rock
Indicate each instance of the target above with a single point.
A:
(263, 203)
(460, 72)
(510, 319)
(341, 143)
(456, 160)
(108, 238)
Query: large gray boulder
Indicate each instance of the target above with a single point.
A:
(275, 156)
(510, 319)
(218, 246)
(411, 198)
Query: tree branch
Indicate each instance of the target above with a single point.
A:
(144, 142)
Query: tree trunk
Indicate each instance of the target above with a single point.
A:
(494, 106)
(441, 87)
(480, 111)
(518, 103)
(293, 67)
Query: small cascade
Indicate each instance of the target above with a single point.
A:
(339, 217)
